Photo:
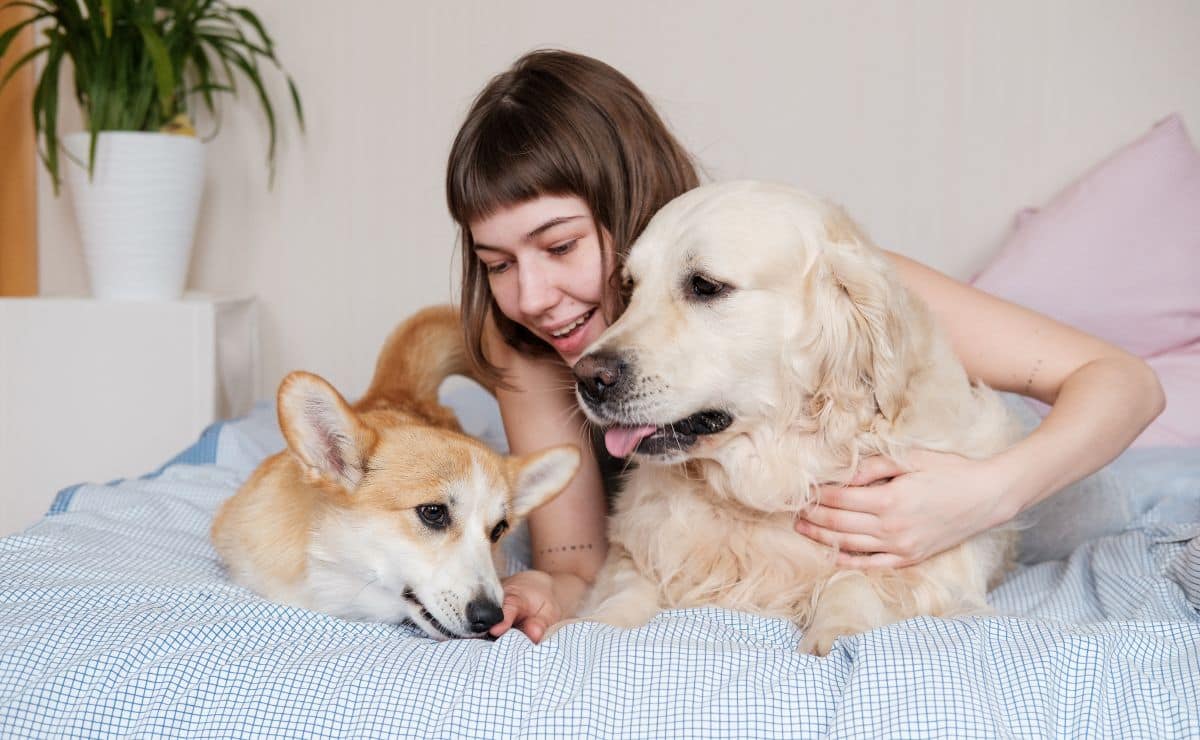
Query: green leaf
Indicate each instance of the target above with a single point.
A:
(164, 73)
(205, 86)
(296, 102)
(251, 73)
(41, 9)
(10, 34)
(46, 104)
(210, 87)
(106, 7)
(53, 67)
(25, 58)
(252, 19)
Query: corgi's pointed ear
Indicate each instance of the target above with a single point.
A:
(541, 476)
(321, 429)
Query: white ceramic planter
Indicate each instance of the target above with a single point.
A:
(137, 214)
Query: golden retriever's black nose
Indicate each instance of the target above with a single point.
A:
(482, 613)
(596, 373)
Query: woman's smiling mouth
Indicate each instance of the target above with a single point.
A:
(572, 339)
(566, 330)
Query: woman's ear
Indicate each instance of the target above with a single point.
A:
(321, 429)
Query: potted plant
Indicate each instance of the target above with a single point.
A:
(137, 173)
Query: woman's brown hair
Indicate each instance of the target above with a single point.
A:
(558, 123)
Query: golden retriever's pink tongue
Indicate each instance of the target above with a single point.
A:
(621, 441)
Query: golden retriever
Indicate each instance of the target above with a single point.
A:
(768, 347)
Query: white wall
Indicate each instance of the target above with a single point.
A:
(933, 121)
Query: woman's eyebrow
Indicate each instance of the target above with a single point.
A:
(534, 234)
(549, 225)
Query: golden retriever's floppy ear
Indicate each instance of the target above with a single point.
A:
(321, 429)
(541, 476)
(866, 354)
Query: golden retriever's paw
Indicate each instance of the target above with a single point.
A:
(818, 641)
(554, 628)
(629, 618)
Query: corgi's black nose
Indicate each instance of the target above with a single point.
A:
(596, 373)
(482, 613)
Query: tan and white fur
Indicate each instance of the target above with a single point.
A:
(770, 307)
(384, 510)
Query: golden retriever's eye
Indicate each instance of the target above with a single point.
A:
(499, 530)
(704, 288)
(435, 516)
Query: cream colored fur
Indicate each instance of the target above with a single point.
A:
(822, 358)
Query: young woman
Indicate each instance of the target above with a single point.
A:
(559, 166)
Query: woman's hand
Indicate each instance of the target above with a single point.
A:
(534, 600)
(888, 518)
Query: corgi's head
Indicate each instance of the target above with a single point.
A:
(413, 513)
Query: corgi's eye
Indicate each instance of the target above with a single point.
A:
(435, 516)
(499, 530)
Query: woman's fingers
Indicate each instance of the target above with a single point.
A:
(512, 606)
(873, 469)
(865, 561)
(842, 520)
(534, 628)
(859, 543)
(871, 500)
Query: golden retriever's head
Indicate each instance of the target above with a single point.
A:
(752, 304)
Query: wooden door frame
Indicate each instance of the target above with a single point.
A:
(18, 170)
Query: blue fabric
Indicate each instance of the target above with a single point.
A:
(117, 619)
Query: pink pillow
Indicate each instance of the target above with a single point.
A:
(1117, 254)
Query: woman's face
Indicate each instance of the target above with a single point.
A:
(543, 262)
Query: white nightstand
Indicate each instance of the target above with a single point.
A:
(96, 390)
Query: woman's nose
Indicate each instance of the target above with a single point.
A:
(538, 293)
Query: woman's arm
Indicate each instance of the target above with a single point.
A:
(1102, 398)
(568, 534)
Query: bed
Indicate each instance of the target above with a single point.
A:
(116, 618)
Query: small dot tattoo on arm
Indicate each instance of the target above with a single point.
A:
(565, 548)
(1032, 374)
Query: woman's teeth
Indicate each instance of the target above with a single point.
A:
(572, 326)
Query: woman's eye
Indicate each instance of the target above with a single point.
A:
(562, 249)
(497, 268)
(499, 530)
(702, 287)
(435, 516)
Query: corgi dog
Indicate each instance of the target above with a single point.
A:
(384, 510)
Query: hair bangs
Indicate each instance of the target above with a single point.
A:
(506, 161)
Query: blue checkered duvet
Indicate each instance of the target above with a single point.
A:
(116, 619)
